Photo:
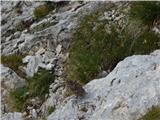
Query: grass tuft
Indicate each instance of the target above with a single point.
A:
(152, 114)
(39, 84)
(14, 62)
(147, 11)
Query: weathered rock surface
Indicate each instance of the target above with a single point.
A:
(12, 116)
(42, 59)
(125, 94)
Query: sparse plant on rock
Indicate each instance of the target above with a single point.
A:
(99, 45)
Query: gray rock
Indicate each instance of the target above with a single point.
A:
(12, 116)
(125, 94)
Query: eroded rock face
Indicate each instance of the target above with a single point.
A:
(125, 94)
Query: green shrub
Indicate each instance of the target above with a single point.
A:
(152, 114)
(18, 98)
(41, 11)
(95, 48)
(39, 84)
(147, 11)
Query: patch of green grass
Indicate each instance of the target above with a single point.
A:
(152, 114)
(18, 98)
(95, 48)
(147, 11)
(38, 86)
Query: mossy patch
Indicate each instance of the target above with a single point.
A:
(100, 44)
(152, 114)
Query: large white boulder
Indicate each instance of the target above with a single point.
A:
(125, 94)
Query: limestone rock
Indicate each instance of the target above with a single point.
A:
(125, 94)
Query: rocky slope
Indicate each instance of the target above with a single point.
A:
(125, 94)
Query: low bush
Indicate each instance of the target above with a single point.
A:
(147, 11)
(152, 114)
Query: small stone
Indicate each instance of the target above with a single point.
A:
(40, 51)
